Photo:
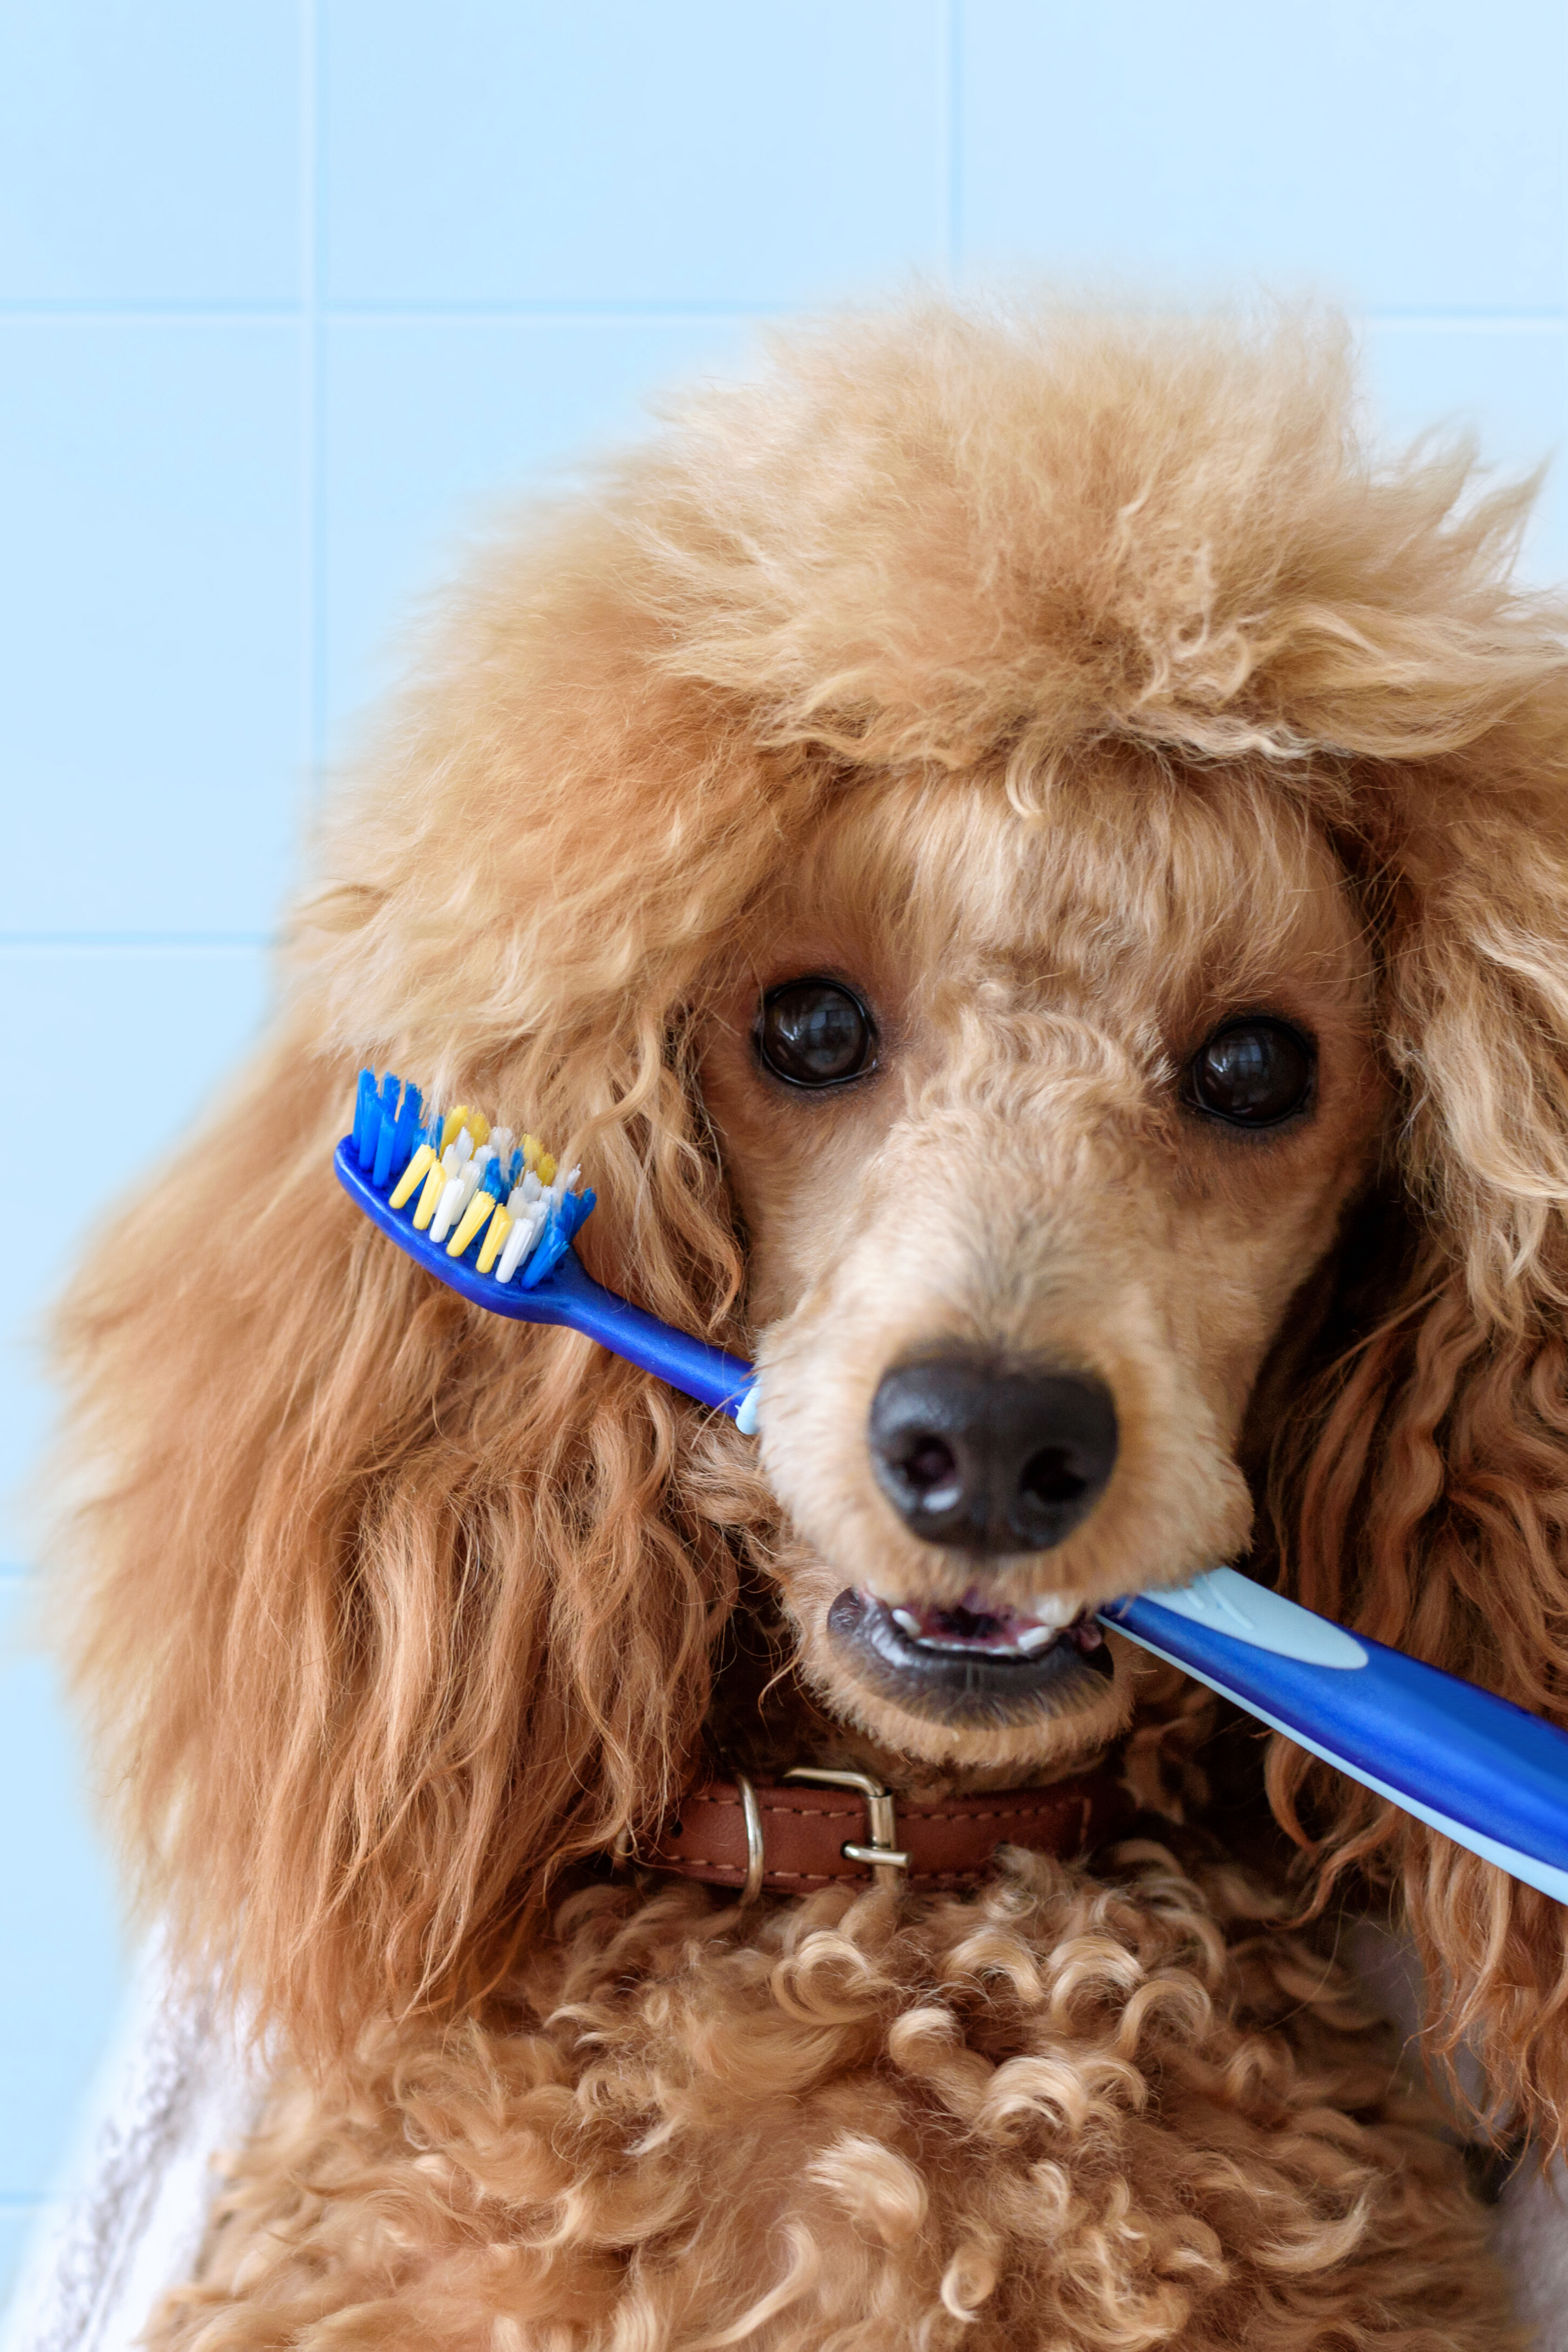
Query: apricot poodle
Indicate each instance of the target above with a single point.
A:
(1032, 870)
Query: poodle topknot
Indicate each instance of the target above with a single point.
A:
(1020, 854)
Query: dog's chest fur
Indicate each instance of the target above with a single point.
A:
(1066, 2113)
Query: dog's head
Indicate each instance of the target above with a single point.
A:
(1038, 1126)
(1035, 878)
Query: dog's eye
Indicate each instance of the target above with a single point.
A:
(1253, 1073)
(814, 1034)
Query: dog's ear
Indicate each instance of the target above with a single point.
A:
(1425, 1498)
(385, 1609)
(388, 1608)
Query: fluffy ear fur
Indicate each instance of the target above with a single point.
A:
(387, 1610)
(1422, 1495)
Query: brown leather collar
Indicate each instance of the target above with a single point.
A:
(817, 1828)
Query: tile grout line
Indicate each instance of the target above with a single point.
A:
(953, 147)
(315, 312)
(1509, 322)
(942, 64)
(156, 308)
(312, 690)
(119, 942)
(607, 309)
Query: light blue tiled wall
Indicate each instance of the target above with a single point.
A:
(289, 291)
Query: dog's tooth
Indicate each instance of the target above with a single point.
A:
(907, 1619)
(1054, 1608)
(1038, 1637)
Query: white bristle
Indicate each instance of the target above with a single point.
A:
(447, 1208)
(515, 1247)
(463, 1144)
(532, 1187)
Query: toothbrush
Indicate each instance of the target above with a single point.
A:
(494, 1219)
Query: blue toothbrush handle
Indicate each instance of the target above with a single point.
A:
(567, 1295)
(570, 1295)
(1485, 1773)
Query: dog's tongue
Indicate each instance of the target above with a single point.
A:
(973, 1623)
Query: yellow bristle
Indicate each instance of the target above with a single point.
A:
(429, 1200)
(412, 1175)
(454, 1121)
(546, 1169)
(479, 1127)
(532, 1148)
(491, 1247)
(470, 1220)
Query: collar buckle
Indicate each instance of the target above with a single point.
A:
(880, 1852)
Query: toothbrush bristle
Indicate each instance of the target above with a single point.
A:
(366, 1114)
(467, 1187)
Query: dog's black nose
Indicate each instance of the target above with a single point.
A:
(985, 1458)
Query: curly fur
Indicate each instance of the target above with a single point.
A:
(388, 1617)
(1063, 2113)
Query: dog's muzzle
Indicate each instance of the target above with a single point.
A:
(991, 1458)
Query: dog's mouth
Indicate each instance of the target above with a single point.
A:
(973, 1658)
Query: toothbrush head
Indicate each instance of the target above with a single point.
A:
(493, 1218)
(489, 1214)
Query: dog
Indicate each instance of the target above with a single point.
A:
(1032, 870)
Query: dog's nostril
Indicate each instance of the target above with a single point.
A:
(1050, 1476)
(987, 1457)
(931, 1467)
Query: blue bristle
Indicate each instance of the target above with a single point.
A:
(407, 1136)
(547, 1250)
(386, 1129)
(514, 1173)
(493, 1182)
(367, 1111)
(576, 1206)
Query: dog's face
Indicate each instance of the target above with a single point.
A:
(1037, 1127)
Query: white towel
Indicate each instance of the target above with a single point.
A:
(175, 2091)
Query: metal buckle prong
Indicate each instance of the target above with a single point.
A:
(888, 1865)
